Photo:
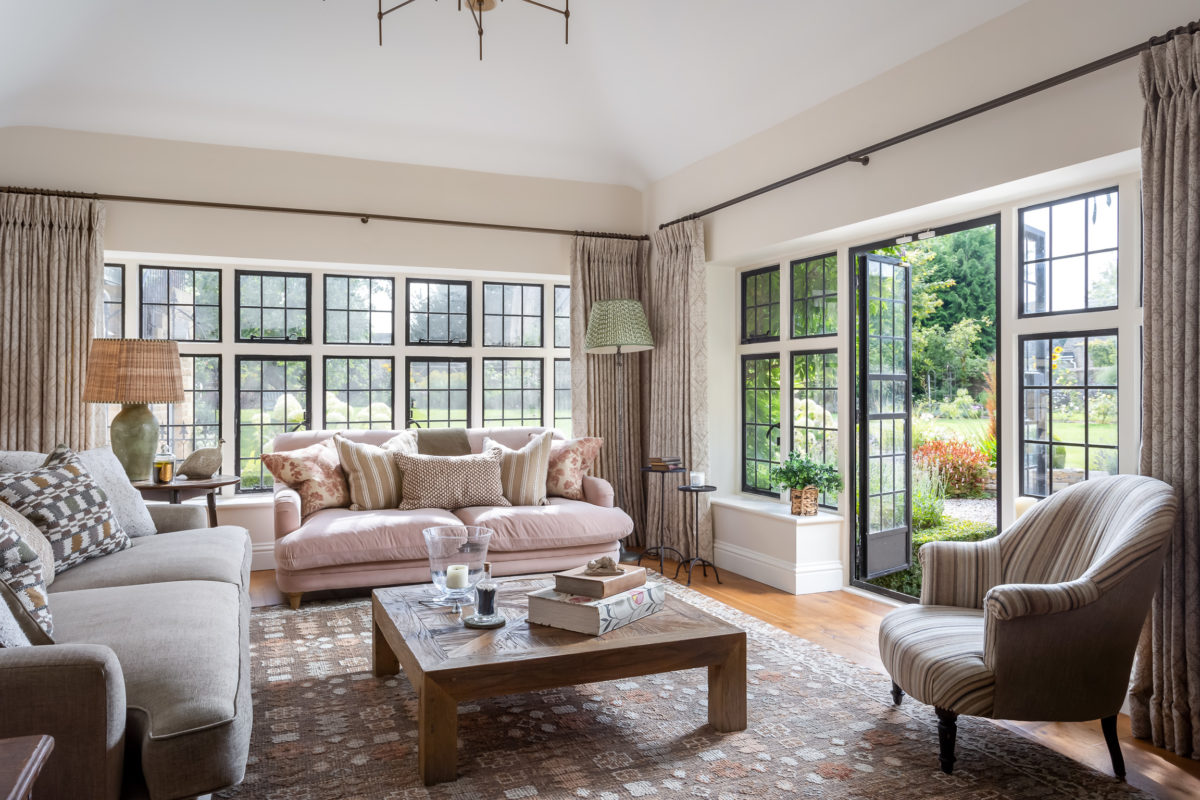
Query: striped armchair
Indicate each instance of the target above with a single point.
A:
(1041, 622)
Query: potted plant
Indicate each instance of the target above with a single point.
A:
(806, 479)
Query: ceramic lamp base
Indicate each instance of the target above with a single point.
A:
(134, 436)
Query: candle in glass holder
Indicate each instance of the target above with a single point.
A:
(456, 576)
(697, 478)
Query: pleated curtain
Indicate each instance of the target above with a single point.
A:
(609, 269)
(678, 388)
(51, 267)
(1165, 700)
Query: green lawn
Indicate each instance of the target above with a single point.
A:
(973, 430)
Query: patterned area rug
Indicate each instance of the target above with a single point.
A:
(819, 726)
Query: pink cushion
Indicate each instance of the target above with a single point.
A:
(563, 523)
(342, 536)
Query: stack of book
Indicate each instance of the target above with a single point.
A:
(596, 604)
(665, 463)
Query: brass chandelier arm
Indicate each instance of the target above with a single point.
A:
(476, 7)
(566, 14)
(383, 14)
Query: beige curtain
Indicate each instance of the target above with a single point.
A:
(609, 269)
(1165, 700)
(51, 266)
(678, 383)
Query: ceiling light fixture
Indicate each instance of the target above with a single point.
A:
(477, 9)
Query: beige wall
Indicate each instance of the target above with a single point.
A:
(57, 159)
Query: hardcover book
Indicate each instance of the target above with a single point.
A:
(595, 616)
(574, 581)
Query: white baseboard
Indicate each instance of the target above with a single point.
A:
(819, 576)
(262, 555)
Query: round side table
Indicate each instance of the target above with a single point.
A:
(694, 556)
(182, 489)
(660, 548)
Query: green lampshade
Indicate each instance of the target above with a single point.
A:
(617, 326)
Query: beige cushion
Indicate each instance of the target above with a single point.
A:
(32, 537)
(339, 536)
(569, 464)
(561, 524)
(523, 472)
(373, 475)
(212, 554)
(315, 473)
(443, 442)
(936, 654)
(451, 481)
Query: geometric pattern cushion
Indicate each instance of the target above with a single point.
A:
(451, 482)
(315, 473)
(32, 537)
(569, 464)
(523, 472)
(68, 507)
(21, 571)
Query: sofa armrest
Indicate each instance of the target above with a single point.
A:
(287, 511)
(168, 518)
(598, 491)
(958, 573)
(75, 693)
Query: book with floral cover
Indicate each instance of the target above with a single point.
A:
(591, 615)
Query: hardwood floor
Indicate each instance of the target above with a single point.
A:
(847, 624)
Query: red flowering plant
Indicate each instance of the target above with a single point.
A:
(961, 466)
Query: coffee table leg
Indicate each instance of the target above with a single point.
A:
(384, 659)
(727, 690)
(437, 742)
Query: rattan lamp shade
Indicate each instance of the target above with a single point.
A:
(133, 371)
(617, 326)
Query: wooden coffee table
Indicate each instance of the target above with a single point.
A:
(447, 663)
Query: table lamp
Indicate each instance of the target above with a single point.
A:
(134, 372)
(618, 327)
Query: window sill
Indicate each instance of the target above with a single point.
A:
(774, 509)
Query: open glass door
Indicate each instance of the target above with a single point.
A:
(884, 435)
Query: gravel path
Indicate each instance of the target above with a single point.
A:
(976, 510)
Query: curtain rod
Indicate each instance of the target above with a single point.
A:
(320, 212)
(863, 155)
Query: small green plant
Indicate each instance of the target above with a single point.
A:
(798, 472)
(928, 499)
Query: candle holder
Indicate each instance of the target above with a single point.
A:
(456, 557)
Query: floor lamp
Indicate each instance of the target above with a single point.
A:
(618, 326)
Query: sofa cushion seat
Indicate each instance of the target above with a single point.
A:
(936, 654)
(341, 536)
(562, 523)
(213, 554)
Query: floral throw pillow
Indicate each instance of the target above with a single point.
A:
(570, 461)
(67, 505)
(21, 571)
(315, 472)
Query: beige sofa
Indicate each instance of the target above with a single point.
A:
(146, 688)
(339, 548)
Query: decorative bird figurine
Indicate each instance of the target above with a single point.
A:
(202, 463)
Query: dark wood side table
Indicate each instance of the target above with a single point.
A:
(21, 761)
(182, 489)
(694, 555)
(661, 547)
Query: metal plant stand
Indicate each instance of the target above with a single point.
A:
(694, 557)
(660, 548)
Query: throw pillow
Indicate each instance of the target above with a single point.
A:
(32, 537)
(451, 482)
(523, 472)
(315, 472)
(443, 442)
(21, 571)
(68, 507)
(371, 471)
(570, 461)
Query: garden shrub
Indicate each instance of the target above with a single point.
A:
(961, 407)
(951, 530)
(928, 499)
(961, 466)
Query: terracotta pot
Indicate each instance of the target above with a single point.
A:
(804, 501)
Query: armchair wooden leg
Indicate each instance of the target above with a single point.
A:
(897, 693)
(947, 733)
(294, 599)
(1109, 726)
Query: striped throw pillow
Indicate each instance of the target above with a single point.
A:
(523, 472)
(374, 478)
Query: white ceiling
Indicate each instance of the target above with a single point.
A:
(644, 88)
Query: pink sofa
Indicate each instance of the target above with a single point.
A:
(338, 548)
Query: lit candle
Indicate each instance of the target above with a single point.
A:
(456, 576)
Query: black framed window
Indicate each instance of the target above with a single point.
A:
(439, 312)
(760, 422)
(359, 310)
(814, 296)
(562, 316)
(760, 305)
(110, 316)
(512, 391)
(562, 395)
(272, 398)
(815, 408)
(1069, 402)
(1069, 254)
(181, 303)
(274, 307)
(438, 392)
(512, 315)
(196, 422)
(358, 393)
